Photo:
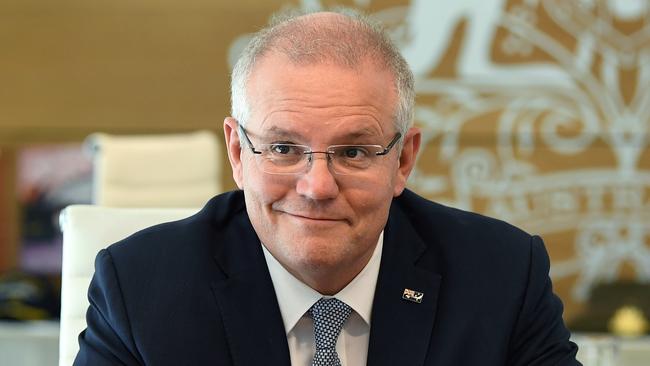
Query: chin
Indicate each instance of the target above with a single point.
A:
(316, 254)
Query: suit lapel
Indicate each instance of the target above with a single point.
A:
(401, 329)
(246, 299)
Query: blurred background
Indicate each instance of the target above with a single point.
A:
(533, 111)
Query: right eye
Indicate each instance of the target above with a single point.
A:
(285, 150)
(280, 149)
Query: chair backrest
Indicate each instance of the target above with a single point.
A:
(172, 170)
(86, 230)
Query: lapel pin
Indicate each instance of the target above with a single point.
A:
(412, 295)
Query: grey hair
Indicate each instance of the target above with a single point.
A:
(347, 42)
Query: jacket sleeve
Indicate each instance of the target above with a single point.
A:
(107, 340)
(540, 336)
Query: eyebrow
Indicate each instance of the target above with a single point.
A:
(279, 132)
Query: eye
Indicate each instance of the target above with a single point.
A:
(353, 152)
(280, 149)
(284, 150)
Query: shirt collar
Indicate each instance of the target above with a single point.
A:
(295, 297)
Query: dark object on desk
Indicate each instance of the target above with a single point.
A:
(27, 297)
(608, 298)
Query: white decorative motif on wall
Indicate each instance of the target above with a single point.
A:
(575, 87)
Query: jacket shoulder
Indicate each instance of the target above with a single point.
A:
(431, 218)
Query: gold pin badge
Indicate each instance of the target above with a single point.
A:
(412, 295)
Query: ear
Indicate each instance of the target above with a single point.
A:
(407, 159)
(234, 149)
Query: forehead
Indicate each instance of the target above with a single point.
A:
(321, 98)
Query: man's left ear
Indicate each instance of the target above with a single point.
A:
(407, 159)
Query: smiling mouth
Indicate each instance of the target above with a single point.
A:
(314, 219)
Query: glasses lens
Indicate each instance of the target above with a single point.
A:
(283, 158)
(351, 159)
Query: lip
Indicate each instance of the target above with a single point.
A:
(312, 218)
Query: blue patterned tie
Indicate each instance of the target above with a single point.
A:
(329, 316)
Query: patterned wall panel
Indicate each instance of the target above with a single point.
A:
(536, 112)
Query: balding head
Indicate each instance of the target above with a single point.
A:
(326, 38)
(344, 38)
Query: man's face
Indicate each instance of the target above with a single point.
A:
(318, 221)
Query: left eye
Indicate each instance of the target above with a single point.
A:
(354, 152)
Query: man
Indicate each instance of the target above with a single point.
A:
(323, 257)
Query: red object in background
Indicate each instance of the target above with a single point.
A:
(49, 177)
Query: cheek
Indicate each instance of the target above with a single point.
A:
(260, 196)
(376, 188)
(372, 200)
(262, 188)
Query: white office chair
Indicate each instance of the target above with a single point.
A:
(86, 230)
(172, 170)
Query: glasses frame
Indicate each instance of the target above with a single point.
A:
(310, 152)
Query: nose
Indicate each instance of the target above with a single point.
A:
(318, 183)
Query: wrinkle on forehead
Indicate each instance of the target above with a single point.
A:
(328, 94)
(349, 121)
(299, 113)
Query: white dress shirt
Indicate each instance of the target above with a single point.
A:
(295, 298)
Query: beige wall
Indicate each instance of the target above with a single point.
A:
(71, 67)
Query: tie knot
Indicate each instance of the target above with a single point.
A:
(330, 306)
(329, 316)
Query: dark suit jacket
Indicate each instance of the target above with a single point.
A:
(198, 292)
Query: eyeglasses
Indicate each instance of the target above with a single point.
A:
(280, 158)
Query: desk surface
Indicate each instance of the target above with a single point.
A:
(34, 343)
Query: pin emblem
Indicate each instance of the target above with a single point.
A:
(412, 295)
